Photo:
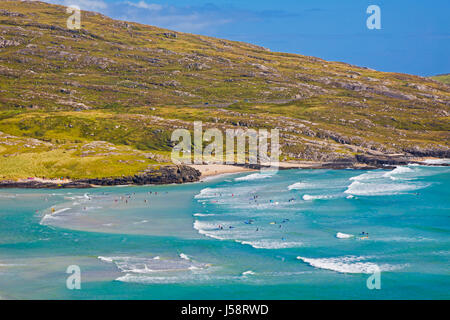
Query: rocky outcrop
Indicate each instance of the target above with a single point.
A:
(380, 89)
(32, 184)
(162, 175)
(442, 152)
(7, 13)
(8, 43)
(382, 160)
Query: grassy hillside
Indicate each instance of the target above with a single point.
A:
(445, 78)
(103, 101)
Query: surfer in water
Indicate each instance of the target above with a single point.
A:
(364, 235)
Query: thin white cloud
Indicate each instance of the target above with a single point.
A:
(192, 19)
(145, 5)
(193, 22)
(181, 18)
(89, 5)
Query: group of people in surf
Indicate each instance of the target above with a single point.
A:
(255, 198)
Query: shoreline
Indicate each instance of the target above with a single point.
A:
(178, 174)
(213, 170)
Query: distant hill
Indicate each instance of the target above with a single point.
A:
(445, 78)
(103, 101)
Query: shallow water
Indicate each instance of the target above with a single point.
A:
(292, 235)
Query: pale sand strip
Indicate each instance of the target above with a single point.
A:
(208, 170)
(300, 164)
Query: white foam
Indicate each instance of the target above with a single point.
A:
(53, 215)
(367, 176)
(341, 235)
(106, 259)
(207, 229)
(7, 265)
(247, 273)
(138, 265)
(437, 161)
(60, 211)
(308, 197)
(272, 244)
(375, 189)
(140, 222)
(8, 196)
(298, 186)
(153, 279)
(184, 256)
(207, 193)
(204, 214)
(147, 280)
(398, 170)
(349, 264)
(254, 176)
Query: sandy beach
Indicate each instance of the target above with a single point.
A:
(208, 170)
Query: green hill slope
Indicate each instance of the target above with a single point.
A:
(445, 78)
(103, 101)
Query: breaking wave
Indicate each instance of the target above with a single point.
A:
(349, 264)
(341, 235)
(376, 189)
(272, 244)
(386, 183)
(254, 176)
(308, 197)
(299, 186)
(138, 265)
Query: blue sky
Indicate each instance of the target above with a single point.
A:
(415, 34)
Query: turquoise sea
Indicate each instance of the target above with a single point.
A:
(291, 235)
